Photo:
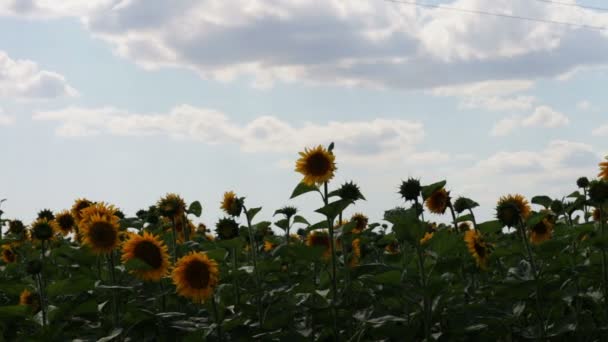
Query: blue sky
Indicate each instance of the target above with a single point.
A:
(124, 101)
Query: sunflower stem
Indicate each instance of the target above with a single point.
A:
(235, 280)
(604, 263)
(334, 280)
(453, 216)
(254, 256)
(473, 217)
(186, 228)
(163, 304)
(114, 293)
(541, 322)
(585, 208)
(174, 239)
(42, 298)
(427, 314)
(216, 317)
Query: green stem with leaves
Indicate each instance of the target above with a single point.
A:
(334, 261)
(254, 256)
(535, 274)
(216, 317)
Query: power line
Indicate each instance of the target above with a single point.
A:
(561, 3)
(500, 15)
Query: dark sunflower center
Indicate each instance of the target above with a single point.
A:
(149, 253)
(102, 234)
(197, 274)
(65, 222)
(317, 164)
(480, 249)
(320, 241)
(43, 231)
(540, 228)
(8, 254)
(29, 299)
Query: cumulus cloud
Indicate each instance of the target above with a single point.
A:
(23, 79)
(347, 42)
(543, 116)
(357, 140)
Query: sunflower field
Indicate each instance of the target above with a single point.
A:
(538, 271)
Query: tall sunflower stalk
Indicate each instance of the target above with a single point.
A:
(254, 258)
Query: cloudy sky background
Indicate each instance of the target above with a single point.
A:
(126, 100)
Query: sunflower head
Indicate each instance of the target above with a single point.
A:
(464, 226)
(8, 255)
(603, 170)
(542, 231)
(582, 182)
(356, 253)
(16, 227)
(196, 276)
(99, 228)
(438, 201)
(64, 222)
(288, 211)
(30, 299)
(350, 191)
(42, 229)
(231, 204)
(598, 191)
(46, 214)
(149, 249)
(227, 228)
(360, 222)
(319, 238)
(269, 246)
(410, 189)
(172, 205)
(426, 238)
(317, 165)
(596, 215)
(392, 248)
(79, 205)
(478, 248)
(511, 209)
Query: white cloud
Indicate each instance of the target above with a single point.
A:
(378, 139)
(587, 106)
(543, 116)
(23, 79)
(600, 131)
(496, 95)
(6, 120)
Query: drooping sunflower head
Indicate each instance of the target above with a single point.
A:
(319, 238)
(30, 299)
(317, 165)
(478, 248)
(196, 276)
(542, 231)
(152, 251)
(438, 201)
(99, 228)
(42, 229)
(511, 209)
(360, 222)
(410, 189)
(582, 182)
(288, 211)
(46, 214)
(8, 255)
(350, 191)
(79, 205)
(604, 170)
(64, 222)
(16, 227)
(231, 204)
(172, 205)
(227, 228)
(598, 191)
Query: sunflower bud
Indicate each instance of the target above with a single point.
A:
(16, 227)
(410, 189)
(227, 228)
(33, 267)
(557, 207)
(46, 214)
(42, 230)
(350, 191)
(582, 182)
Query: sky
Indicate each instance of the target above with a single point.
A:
(124, 101)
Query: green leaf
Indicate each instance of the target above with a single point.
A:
(535, 219)
(490, 227)
(428, 190)
(303, 188)
(195, 209)
(319, 225)
(545, 201)
(333, 209)
(388, 278)
(218, 254)
(575, 194)
(137, 264)
(283, 224)
(114, 334)
(300, 219)
(13, 311)
(465, 218)
(252, 212)
(236, 243)
(70, 286)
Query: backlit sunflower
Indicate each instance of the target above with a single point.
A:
(227, 228)
(231, 204)
(426, 238)
(478, 248)
(195, 276)
(30, 299)
(320, 238)
(317, 165)
(42, 229)
(149, 249)
(8, 255)
(438, 201)
(99, 228)
(64, 222)
(268, 246)
(79, 205)
(171, 206)
(541, 231)
(360, 221)
(511, 209)
(604, 170)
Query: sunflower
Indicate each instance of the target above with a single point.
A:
(604, 170)
(231, 204)
(427, 236)
(64, 222)
(8, 255)
(268, 246)
(99, 228)
(464, 226)
(360, 221)
(479, 249)
(511, 209)
(392, 248)
(16, 227)
(356, 253)
(42, 229)
(30, 299)
(410, 189)
(149, 249)
(195, 276)
(541, 231)
(227, 228)
(320, 238)
(317, 165)
(46, 214)
(438, 201)
(596, 215)
(79, 205)
(172, 206)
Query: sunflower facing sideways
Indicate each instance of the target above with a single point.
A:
(478, 248)
(64, 222)
(542, 231)
(512, 209)
(231, 204)
(149, 249)
(195, 276)
(604, 170)
(99, 228)
(360, 223)
(317, 165)
(8, 255)
(320, 238)
(438, 201)
(79, 205)
(29, 299)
